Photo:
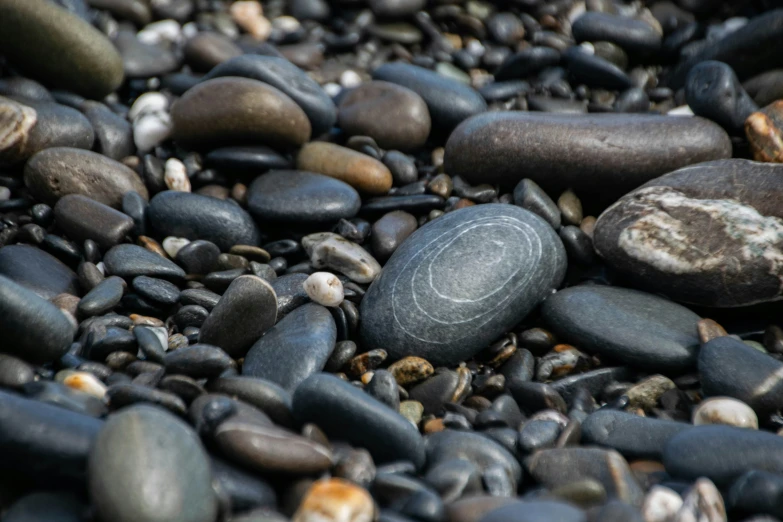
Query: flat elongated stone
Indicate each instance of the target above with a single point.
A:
(633, 436)
(45, 443)
(629, 326)
(605, 155)
(129, 261)
(362, 172)
(295, 348)
(144, 446)
(722, 453)
(83, 218)
(58, 171)
(455, 284)
(38, 271)
(478, 449)
(193, 216)
(345, 412)
(32, 328)
(535, 511)
(699, 235)
(234, 110)
(58, 48)
(246, 310)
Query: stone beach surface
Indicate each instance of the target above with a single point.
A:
(391, 261)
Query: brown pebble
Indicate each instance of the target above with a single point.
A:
(570, 208)
(335, 500)
(709, 330)
(366, 362)
(588, 225)
(645, 393)
(463, 384)
(253, 253)
(143, 320)
(239, 193)
(362, 172)
(463, 203)
(764, 130)
(214, 191)
(151, 245)
(441, 185)
(410, 370)
(433, 426)
(66, 302)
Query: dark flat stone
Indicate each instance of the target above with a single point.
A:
(37, 271)
(128, 261)
(633, 436)
(82, 218)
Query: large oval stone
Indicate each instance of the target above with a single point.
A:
(58, 48)
(193, 216)
(709, 234)
(604, 155)
(238, 110)
(638, 329)
(459, 282)
(58, 171)
(141, 451)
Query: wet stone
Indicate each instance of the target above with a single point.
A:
(263, 394)
(82, 218)
(713, 91)
(103, 298)
(364, 173)
(199, 256)
(37, 271)
(523, 236)
(128, 261)
(634, 36)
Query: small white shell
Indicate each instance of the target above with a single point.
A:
(725, 410)
(82, 381)
(176, 175)
(148, 102)
(172, 245)
(324, 288)
(151, 130)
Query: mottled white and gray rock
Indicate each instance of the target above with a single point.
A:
(330, 250)
(457, 283)
(709, 234)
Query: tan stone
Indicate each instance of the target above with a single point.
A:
(362, 172)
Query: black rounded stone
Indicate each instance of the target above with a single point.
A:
(192, 216)
(713, 91)
(526, 63)
(635, 36)
(128, 261)
(37, 271)
(438, 298)
(250, 160)
(636, 328)
(294, 197)
(633, 436)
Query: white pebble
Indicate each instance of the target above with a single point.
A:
(167, 31)
(249, 15)
(147, 103)
(189, 30)
(702, 503)
(725, 410)
(172, 245)
(82, 381)
(100, 266)
(661, 504)
(682, 110)
(151, 130)
(286, 24)
(176, 175)
(5, 193)
(587, 47)
(162, 335)
(324, 288)
(332, 89)
(350, 79)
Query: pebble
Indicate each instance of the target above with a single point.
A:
(300, 198)
(347, 413)
(102, 298)
(454, 249)
(692, 453)
(725, 410)
(63, 507)
(476, 448)
(364, 173)
(249, 160)
(291, 80)
(659, 234)
(390, 231)
(58, 48)
(59, 171)
(634, 36)
(394, 116)
(633, 436)
(34, 329)
(208, 49)
(449, 101)
(265, 395)
(661, 504)
(172, 245)
(527, 62)
(713, 91)
(224, 111)
(14, 373)
(329, 250)
(505, 147)
(83, 218)
(728, 367)
(757, 492)
(324, 288)
(535, 511)
(82, 381)
(246, 310)
(295, 348)
(143, 445)
(528, 195)
(38, 271)
(176, 176)
(335, 500)
(128, 261)
(193, 216)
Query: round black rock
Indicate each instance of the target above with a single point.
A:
(713, 91)
(455, 284)
(294, 197)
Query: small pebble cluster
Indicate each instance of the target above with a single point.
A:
(391, 261)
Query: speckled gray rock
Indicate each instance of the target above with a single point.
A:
(38, 271)
(32, 328)
(699, 235)
(722, 453)
(633, 436)
(143, 446)
(729, 367)
(55, 172)
(58, 48)
(604, 155)
(295, 197)
(295, 348)
(345, 412)
(455, 284)
(193, 216)
(638, 329)
(245, 311)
